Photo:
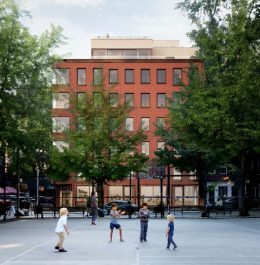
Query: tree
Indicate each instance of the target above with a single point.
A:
(100, 147)
(181, 149)
(25, 80)
(221, 111)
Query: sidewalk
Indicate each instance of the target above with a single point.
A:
(178, 214)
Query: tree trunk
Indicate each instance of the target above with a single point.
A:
(243, 207)
(202, 187)
(3, 176)
(100, 191)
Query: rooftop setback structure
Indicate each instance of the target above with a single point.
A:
(139, 48)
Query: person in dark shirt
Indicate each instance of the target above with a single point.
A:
(170, 231)
(144, 215)
(94, 207)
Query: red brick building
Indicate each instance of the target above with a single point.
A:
(144, 76)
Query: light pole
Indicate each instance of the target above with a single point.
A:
(138, 190)
(130, 186)
(37, 184)
(168, 188)
(17, 183)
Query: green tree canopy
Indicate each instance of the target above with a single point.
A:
(220, 110)
(100, 147)
(25, 80)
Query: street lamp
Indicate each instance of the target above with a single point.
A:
(130, 186)
(37, 184)
(168, 187)
(138, 189)
(17, 183)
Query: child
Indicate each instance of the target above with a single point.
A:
(114, 213)
(144, 215)
(61, 227)
(170, 231)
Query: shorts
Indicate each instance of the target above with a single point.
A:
(116, 226)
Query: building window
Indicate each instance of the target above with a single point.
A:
(60, 145)
(82, 77)
(160, 122)
(160, 145)
(60, 124)
(81, 124)
(129, 124)
(96, 53)
(177, 97)
(144, 53)
(212, 172)
(193, 72)
(176, 174)
(129, 100)
(151, 194)
(97, 76)
(113, 99)
(114, 53)
(223, 169)
(145, 76)
(97, 99)
(129, 76)
(113, 76)
(129, 53)
(113, 124)
(161, 76)
(97, 124)
(177, 76)
(62, 76)
(116, 192)
(146, 148)
(60, 100)
(145, 100)
(83, 192)
(161, 100)
(145, 124)
(81, 99)
(191, 195)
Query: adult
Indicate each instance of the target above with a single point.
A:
(94, 207)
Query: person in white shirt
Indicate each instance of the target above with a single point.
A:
(61, 228)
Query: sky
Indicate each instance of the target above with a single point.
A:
(84, 19)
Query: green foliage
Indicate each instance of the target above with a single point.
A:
(25, 81)
(102, 149)
(220, 110)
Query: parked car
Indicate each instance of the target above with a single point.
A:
(126, 206)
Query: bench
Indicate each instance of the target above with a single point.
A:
(217, 210)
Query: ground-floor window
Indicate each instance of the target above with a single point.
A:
(121, 192)
(83, 192)
(66, 198)
(185, 195)
(152, 195)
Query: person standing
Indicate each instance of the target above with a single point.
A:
(170, 231)
(144, 215)
(60, 228)
(94, 207)
(114, 214)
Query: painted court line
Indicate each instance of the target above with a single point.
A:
(33, 248)
(76, 262)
